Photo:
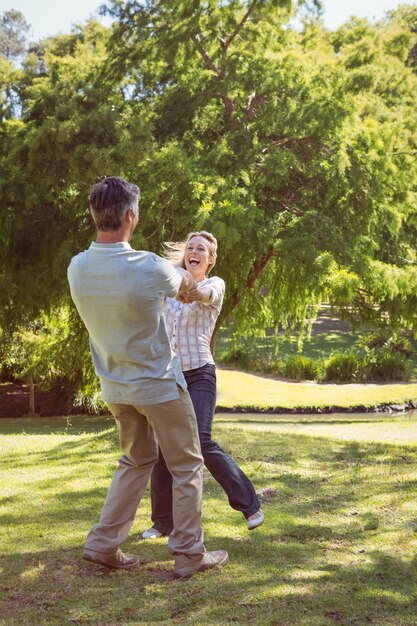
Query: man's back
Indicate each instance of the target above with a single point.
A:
(118, 293)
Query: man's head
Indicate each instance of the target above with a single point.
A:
(110, 200)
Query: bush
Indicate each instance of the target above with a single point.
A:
(341, 367)
(386, 342)
(385, 357)
(384, 367)
(300, 367)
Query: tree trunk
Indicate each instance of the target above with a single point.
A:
(236, 296)
(31, 396)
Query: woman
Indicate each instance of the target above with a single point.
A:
(190, 323)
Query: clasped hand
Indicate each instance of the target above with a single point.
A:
(193, 295)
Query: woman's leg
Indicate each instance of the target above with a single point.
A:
(176, 430)
(202, 389)
(161, 496)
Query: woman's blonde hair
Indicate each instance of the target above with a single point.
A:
(174, 251)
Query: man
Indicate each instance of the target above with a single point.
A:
(118, 292)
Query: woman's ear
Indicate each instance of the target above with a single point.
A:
(212, 263)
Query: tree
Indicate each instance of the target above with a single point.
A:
(67, 135)
(13, 31)
(407, 15)
(294, 147)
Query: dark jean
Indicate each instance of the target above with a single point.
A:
(242, 497)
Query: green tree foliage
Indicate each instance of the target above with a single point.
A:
(48, 350)
(296, 146)
(407, 14)
(70, 132)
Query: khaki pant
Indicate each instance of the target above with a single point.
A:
(175, 427)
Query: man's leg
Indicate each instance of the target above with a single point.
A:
(176, 429)
(129, 482)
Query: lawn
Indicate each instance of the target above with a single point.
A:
(242, 389)
(338, 544)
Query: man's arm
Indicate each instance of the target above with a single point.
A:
(187, 281)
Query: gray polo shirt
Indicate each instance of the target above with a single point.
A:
(118, 292)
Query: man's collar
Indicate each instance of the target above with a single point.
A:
(119, 245)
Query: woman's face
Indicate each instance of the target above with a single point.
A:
(197, 257)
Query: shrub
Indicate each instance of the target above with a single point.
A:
(384, 367)
(384, 357)
(300, 367)
(247, 360)
(385, 341)
(341, 367)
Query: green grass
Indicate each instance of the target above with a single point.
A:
(338, 545)
(241, 389)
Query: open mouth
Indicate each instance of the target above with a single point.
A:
(193, 261)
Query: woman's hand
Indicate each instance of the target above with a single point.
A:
(199, 294)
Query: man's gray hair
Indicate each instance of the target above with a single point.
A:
(110, 199)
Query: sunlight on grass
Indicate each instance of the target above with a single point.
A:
(308, 574)
(33, 573)
(376, 595)
(389, 431)
(242, 389)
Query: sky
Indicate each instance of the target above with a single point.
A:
(50, 17)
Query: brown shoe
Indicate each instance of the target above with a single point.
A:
(185, 567)
(115, 560)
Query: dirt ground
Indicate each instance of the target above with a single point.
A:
(14, 401)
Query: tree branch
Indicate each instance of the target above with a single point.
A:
(234, 121)
(255, 272)
(292, 210)
(230, 110)
(253, 100)
(220, 74)
(225, 44)
(207, 59)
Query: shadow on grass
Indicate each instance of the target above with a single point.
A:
(292, 582)
(72, 425)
